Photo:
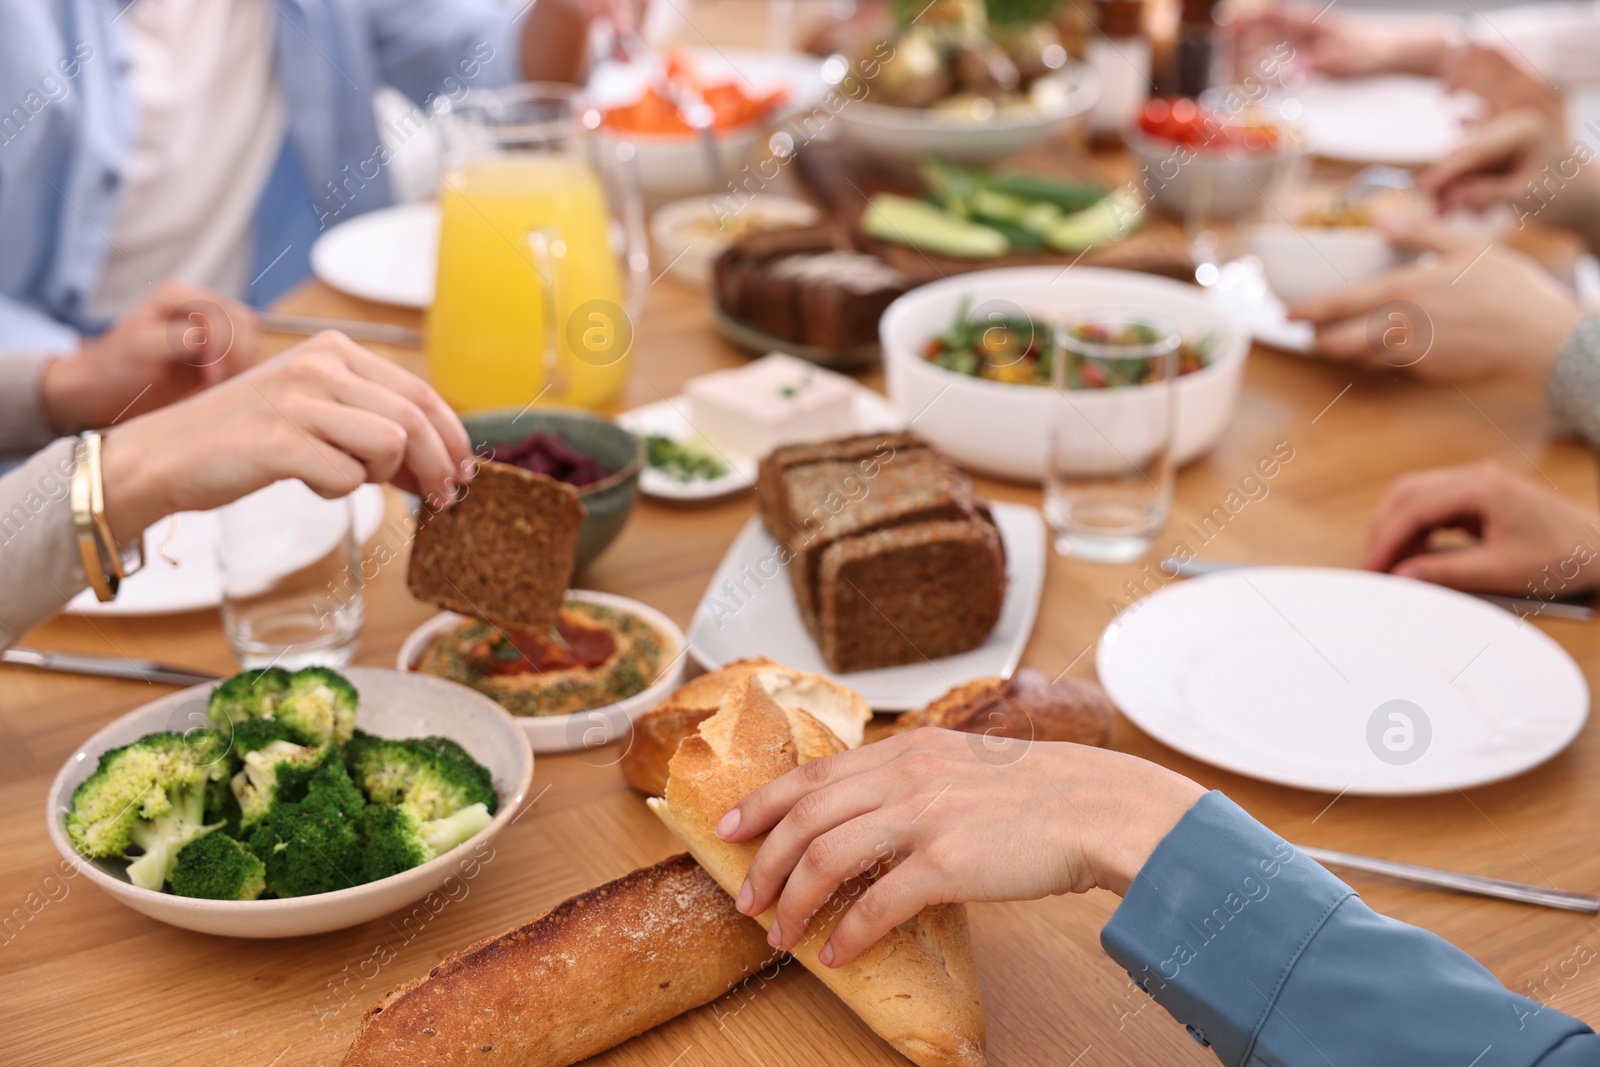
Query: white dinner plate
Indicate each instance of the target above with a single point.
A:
(1342, 681)
(670, 418)
(388, 255)
(1391, 118)
(189, 539)
(1241, 292)
(745, 612)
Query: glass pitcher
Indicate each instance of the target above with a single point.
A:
(538, 285)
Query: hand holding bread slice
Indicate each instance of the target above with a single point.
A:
(917, 986)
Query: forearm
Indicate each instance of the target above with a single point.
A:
(1271, 960)
(1573, 388)
(555, 40)
(24, 422)
(40, 569)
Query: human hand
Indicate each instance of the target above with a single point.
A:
(1339, 45)
(181, 338)
(327, 412)
(1482, 312)
(1525, 532)
(1504, 84)
(960, 818)
(1520, 159)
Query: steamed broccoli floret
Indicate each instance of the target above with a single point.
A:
(251, 695)
(217, 867)
(249, 735)
(150, 793)
(320, 706)
(432, 777)
(397, 841)
(278, 771)
(313, 845)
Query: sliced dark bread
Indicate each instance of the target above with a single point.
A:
(504, 553)
(868, 451)
(909, 593)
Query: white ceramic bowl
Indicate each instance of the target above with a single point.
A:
(1217, 182)
(1301, 262)
(582, 730)
(910, 134)
(678, 229)
(673, 165)
(392, 705)
(1002, 429)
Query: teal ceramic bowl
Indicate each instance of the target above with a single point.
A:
(608, 502)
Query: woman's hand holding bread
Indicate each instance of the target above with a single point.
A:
(963, 818)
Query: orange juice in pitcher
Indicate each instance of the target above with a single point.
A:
(530, 303)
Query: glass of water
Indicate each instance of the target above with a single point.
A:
(291, 578)
(1109, 472)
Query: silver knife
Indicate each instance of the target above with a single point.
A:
(142, 670)
(1454, 880)
(386, 333)
(1194, 568)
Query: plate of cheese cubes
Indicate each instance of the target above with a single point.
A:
(706, 442)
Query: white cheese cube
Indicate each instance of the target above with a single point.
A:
(776, 400)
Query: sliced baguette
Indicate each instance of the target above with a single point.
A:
(598, 969)
(917, 986)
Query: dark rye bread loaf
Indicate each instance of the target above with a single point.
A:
(504, 552)
(831, 500)
(909, 593)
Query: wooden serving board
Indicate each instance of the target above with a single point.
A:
(843, 180)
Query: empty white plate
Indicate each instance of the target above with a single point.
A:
(192, 581)
(1391, 118)
(388, 255)
(1342, 681)
(1241, 292)
(670, 418)
(749, 610)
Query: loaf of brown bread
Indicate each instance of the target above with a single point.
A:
(598, 969)
(657, 733)
(917, 985)
(1027, 706)
(504, 553)
(892, 555)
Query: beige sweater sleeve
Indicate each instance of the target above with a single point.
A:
(23, 427)
(39, 565)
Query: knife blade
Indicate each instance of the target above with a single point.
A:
(142, 670)
(1195, 567)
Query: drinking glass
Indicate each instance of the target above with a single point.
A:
(530, 302)
(291, 578)
(1109, 472)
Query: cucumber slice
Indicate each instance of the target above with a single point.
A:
(921, 225)
(1112, 219)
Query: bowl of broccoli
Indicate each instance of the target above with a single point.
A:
(278, 804)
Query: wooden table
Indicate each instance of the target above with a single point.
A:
(85, 981)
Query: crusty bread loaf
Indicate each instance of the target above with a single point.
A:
(1027, 706)
(657, 733)
(598, 969)
(917, 986)
(504, 553)
(867, 451)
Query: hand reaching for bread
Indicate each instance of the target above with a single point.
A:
(1004, 820)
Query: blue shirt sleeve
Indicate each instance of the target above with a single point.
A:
(1271, 960)
(439, 47)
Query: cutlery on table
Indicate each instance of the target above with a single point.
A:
(142, 670)
(380, 332)
(1454, 880)
(1555, 609)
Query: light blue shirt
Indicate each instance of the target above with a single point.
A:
(67, 118)
(1274, 962)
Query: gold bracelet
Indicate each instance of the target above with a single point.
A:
(103, 561)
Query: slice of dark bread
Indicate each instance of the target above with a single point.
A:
(909, 593)
(869, 451)
(503, 553)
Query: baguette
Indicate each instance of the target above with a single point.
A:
(656, 735)
(600, 968)
(916, 986)
(1027, 706)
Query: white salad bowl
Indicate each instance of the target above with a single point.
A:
(1002, 429)
(392, 705)
(581, 730)
(1301, 262)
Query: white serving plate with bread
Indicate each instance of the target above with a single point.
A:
(393, 704)
(584, 729)
(1002, 429)
(749, 610)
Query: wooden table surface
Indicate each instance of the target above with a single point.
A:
(84, 980)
